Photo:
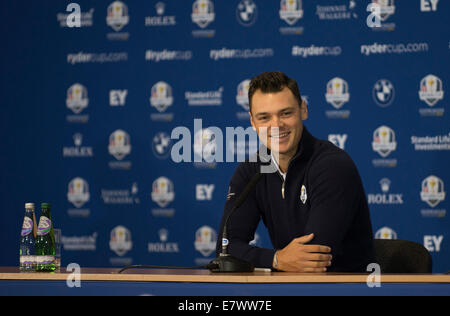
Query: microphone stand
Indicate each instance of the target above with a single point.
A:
(226, 262)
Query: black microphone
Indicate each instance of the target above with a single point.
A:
(225, 262)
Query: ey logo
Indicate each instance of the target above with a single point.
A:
(203, 192)
(432, 242)
(117, 97)
(338, 140)
(428, 5)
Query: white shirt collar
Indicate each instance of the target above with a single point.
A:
(278, 167)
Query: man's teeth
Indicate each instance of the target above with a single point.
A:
(281, 135)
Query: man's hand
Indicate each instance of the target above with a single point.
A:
(299, 257)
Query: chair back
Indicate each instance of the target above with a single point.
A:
(402, 256)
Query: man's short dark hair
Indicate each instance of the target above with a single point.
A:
(272, 82)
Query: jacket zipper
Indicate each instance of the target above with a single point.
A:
(282, 185)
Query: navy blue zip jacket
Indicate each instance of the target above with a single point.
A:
(332, 205)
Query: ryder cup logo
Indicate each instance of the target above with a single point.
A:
(242, 94)
(162, 191)
(161, 97)
(246, 12)
(337, 92)
(431, 90)
(205, 145)
(387, 8)
(202, 13)
(383, 93)
(205, 240)
(291, 11)
(78, 193)
(117, 15)
(120, 241)
(384, 141)
(432, 191)
(119, 144)
(386, 233)
(77, 98)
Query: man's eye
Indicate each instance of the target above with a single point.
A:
(286, 113)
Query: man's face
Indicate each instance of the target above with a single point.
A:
(278, 110)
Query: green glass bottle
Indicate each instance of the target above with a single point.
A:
(45, 241)
(27, 240)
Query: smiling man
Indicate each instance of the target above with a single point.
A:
(313, 206)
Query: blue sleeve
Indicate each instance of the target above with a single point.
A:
(243, 222)
(339, 214)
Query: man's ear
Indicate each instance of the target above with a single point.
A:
(304, 110)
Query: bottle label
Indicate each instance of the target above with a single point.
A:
(45, 225)
(27, 226)
(45, 259)
(27, 260)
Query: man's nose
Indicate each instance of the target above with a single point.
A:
(275, 126)
(276, 121)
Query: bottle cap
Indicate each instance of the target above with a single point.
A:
(29, 205)
(45, 205)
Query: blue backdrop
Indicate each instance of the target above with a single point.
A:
(90, 115)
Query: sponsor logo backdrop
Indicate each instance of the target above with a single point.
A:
(89, 115)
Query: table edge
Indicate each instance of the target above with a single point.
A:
(276, 277)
